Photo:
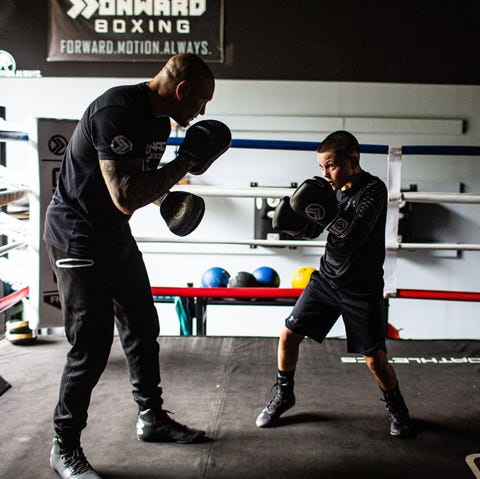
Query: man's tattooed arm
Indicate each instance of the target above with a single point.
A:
(131, 188)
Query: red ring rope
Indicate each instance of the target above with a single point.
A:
(227, 292)
(445, 295)
(13, 298)
(295, 293)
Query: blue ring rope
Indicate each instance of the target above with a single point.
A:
(307, 146)
(441, 150)
(375, 149)
(284, 145)
(13, 135)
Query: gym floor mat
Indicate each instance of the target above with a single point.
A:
(337, 430)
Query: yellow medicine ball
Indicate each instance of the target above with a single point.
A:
(301, 277)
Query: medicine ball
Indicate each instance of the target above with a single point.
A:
(267, 277)
(301, 277)
(19, 332)
(215, 277)
(242, 280)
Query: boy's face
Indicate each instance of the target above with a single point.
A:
(337, 171)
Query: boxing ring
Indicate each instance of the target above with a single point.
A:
(25, 236)
(338, 428)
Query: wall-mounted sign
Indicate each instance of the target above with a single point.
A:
(134, 30)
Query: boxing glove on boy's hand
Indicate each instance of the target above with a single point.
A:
(286, 220)
(315, 200)
(204, 142)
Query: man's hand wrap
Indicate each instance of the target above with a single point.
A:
(182, 212)
(315, 200)
(205, 141)
(286, 220)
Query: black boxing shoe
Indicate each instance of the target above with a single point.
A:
(71, 463)
(157, 426)
(283, 400)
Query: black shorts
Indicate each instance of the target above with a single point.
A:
(321, 304)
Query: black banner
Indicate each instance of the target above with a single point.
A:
(134, 30)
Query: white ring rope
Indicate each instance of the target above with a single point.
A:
(10, 246)
(274, 192)
(239, 192)
(12, 274)
(12, 179)
(13, 228)
(12, 187)
(253, 242)
(305, 243)
(426, 197)
(437, 246)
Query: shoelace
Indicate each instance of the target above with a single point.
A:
(278, 398)
(164, 415)
(76, 460)
(397, 411)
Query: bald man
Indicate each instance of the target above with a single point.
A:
(110, 169)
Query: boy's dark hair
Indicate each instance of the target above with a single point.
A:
(342, 143)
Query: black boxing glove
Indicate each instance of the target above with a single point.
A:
(315, 200)
(205, 141)
(295, 225)
(182, 212)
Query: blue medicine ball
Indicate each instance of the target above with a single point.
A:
(215, 277)
(267, 277)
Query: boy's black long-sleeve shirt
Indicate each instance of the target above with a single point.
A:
(354, 261)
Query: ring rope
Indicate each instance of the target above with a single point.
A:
(441, 295)
(9, 177)
(436, 246)
(460, 150)
(279, 192)
(8, 196)
(306, 243)
(190, 292)
(13, 228)
(253, 242)
(441, 150)
(271, 293)
(11, 246)
(13, 298)
(6, 135)
(240, 192)
(427, 197)
(12, 274)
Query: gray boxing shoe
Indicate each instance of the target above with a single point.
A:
(397, 413)
(283, 400)
(400, 424)
(71, 463)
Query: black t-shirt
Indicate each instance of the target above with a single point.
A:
(119, 124)
(354, 261)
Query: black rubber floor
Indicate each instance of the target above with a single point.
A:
(338, 429)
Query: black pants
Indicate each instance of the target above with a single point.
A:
(96, 292)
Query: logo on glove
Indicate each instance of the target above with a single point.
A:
(315, 211)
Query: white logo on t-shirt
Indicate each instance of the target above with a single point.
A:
(121, 145)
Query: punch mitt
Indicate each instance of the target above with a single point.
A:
(315, 200)
(286, 220)
(182, 212)
(205, 141)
